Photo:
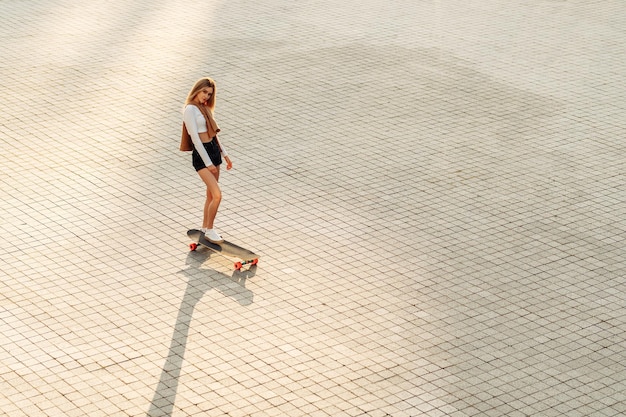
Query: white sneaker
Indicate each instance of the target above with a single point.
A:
(213, 236)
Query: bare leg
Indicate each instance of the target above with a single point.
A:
(213, 196)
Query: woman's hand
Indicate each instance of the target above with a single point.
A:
(229, 163)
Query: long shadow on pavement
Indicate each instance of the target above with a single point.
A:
(199, 282)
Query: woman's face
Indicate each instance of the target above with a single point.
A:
(204, 94)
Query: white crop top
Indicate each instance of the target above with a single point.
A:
(195, 124)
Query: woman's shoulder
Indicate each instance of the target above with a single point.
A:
(191, 108)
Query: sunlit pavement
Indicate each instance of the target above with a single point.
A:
(436, 189)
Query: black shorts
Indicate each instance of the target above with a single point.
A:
(213, 149)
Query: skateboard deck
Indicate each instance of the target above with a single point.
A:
(225, 248)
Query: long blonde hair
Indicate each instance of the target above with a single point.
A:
(199, 85)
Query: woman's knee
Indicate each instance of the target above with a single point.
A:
(214, 195)
(217, 196)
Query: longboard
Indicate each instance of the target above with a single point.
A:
(224, 248)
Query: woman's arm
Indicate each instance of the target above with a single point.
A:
(229, 163)
(222, 149)
(189, 117)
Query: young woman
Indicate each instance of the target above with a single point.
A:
(207, 150)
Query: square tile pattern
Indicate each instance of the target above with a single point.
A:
(436, 188)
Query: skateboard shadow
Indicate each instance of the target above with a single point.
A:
(199, 282)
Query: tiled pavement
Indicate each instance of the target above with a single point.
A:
(437, 190)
